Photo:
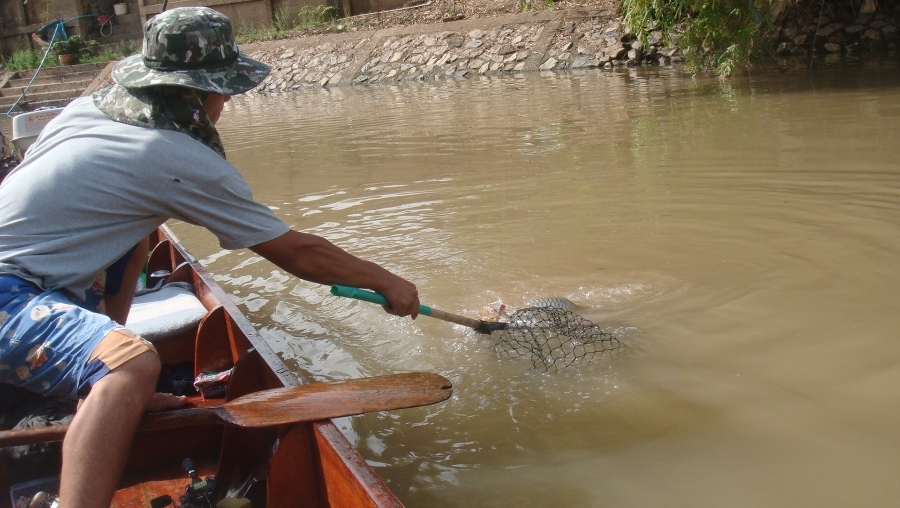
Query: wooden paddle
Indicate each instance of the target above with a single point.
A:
(369, 296)
(278, 406)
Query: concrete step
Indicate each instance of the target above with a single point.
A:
(59, 86)
(33, 101)
(54, 86)
(20, 83)
(61, 69)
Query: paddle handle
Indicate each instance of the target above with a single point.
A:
(280, 406)
(373, 297)
(153, 421)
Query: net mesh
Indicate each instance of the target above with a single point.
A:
(553, 339)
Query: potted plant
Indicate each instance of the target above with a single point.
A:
(70, 50)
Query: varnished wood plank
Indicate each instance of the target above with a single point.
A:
(346, 478)
(292, 481)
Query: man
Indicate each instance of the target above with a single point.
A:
(103, 175)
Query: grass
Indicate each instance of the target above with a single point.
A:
(25, 59)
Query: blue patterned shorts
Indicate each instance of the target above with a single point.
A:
(46, 339)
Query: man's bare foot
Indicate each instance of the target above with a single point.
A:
(164, 401)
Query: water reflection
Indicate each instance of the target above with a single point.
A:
(740, 237)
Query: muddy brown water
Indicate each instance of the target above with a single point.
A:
(741, 237)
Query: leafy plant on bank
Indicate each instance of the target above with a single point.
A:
(721, 35)
(75, 45)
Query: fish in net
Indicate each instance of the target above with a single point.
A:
(553, 338)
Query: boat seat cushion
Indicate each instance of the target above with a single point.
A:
(169, 311)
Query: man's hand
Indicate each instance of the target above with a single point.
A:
(403, 297)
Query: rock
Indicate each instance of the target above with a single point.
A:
(833, 48)
(615, 52)
(455, 41)
(582, 61)
(872, 34)
(825, 31)
(549, 64)
(668, 52)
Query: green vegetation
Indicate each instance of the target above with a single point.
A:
(113, 52)
(533, 5)
(283, 23)
(75, 45)
(311, 17)
(721, 35)
(25, 59)
(282, 20)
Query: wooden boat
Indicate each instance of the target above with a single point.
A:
(299, 465)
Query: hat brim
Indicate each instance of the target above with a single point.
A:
(238, 77)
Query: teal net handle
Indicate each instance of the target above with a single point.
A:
(369, 296)
(373, 297)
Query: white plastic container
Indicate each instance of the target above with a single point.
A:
(120, 9)
(27, 126)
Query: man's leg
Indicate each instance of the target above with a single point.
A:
(99, 438)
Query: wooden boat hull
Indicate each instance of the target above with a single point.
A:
(305, 464)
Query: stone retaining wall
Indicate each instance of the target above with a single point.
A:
(548, 41)
(838, 29)
(510, 44)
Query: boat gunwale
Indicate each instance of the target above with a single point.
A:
(327, 434)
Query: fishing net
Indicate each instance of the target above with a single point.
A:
(554, 339)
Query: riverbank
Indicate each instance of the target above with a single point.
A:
(552, 40)
(583, 36)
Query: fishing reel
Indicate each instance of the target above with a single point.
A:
(200, 493)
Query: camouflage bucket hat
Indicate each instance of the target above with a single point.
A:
(193, 47)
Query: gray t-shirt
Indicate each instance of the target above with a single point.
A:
(90, 188)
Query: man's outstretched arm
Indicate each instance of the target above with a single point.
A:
(315, 259)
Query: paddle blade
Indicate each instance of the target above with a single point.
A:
(320, 401)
